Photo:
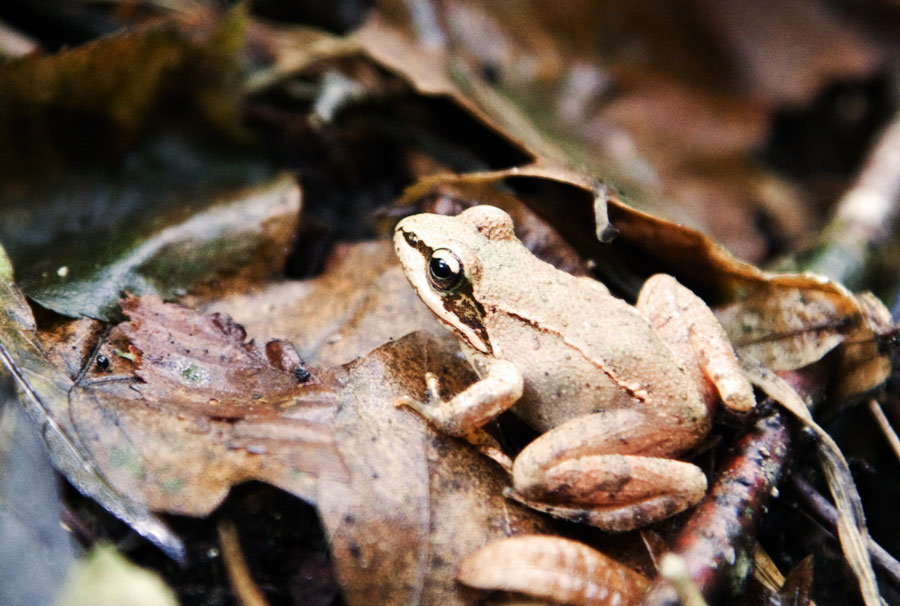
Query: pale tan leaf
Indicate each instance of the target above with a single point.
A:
(554, 569)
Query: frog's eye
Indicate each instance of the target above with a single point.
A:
(445, 270)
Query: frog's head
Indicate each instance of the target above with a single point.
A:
(441, 257)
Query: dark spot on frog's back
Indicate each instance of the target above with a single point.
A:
(355, 551)
(440, 445)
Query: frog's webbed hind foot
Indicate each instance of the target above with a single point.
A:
(610, 519)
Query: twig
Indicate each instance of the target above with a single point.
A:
(245, 589)
(885, 426)
(713, 539)
(827, 513)
(864, 216)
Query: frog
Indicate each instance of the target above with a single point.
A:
(616, 392)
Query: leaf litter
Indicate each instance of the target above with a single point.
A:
(177, 377)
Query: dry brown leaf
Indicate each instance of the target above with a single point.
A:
(211, 411)
(204, 362)
(666, 129)
(417, 501)
(402, 504)
(554, 569)
(359, 302)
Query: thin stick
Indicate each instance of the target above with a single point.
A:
(242, 583)
(865, 216)
(826, 512)
(885, 425)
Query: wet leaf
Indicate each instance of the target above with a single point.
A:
(134, 172)
(245, 232)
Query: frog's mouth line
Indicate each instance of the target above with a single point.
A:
(459, 303)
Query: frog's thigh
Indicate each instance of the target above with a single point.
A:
(691, 330)
(637, 430)
(613, 492)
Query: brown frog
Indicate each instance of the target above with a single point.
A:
(618, 389)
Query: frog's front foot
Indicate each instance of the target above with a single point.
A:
(433, 409)
(470, 409)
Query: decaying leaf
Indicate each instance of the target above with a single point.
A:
(417, 501)
(210, 409)
(554, 569)
(45, 392)
(201, 410)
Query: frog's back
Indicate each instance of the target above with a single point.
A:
(581, 350)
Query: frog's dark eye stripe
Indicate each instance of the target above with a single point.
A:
(445, 270)
(458, 300)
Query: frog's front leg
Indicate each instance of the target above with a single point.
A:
(499, 388)
(691, 330)
(610, 469)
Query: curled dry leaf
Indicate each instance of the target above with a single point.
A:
(554, 569)
(537, 80)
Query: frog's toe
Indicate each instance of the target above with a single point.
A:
(736, 393)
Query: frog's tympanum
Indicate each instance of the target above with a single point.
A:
(617, 389)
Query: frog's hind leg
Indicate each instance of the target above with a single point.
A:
(691, 330)
(610, 469)
(615, 492)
